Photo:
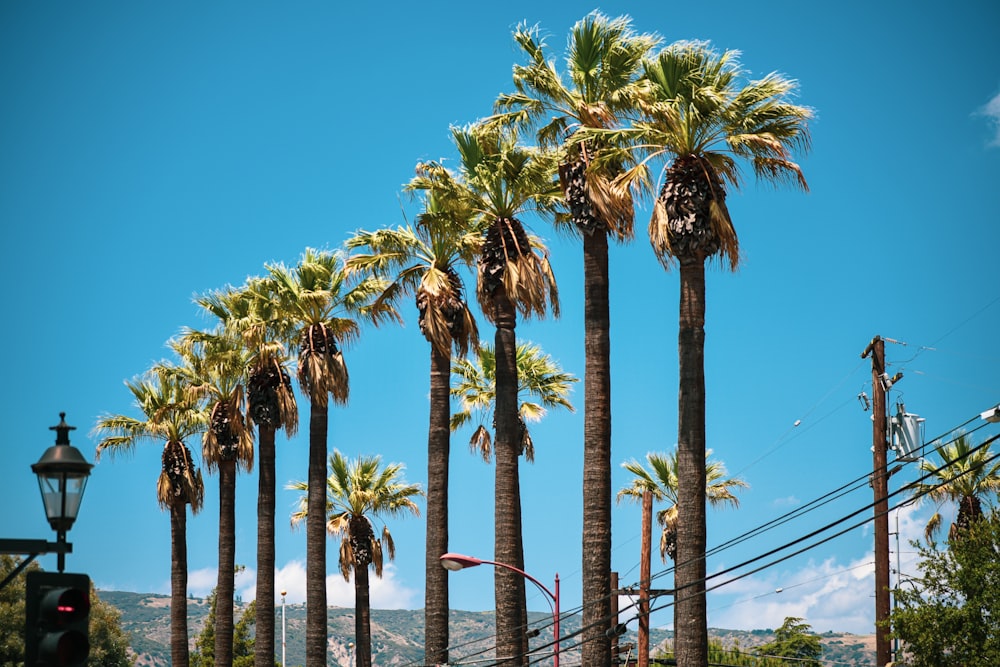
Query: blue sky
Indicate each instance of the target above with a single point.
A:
(152, 152)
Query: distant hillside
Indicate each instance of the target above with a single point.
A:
(397, 635)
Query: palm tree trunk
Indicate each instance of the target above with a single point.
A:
(316, 611)
(596, 649)
(508, 614)
(264, 642)
(362, 617)
(691, 630)
(438, 453)
(227, 554)
(178, 584)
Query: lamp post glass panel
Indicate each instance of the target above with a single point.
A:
(455, 562)
(62, 478)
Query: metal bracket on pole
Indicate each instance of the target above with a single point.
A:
(31, 549)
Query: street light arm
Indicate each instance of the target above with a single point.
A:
(453, 561)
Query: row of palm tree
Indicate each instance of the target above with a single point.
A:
(619, 111)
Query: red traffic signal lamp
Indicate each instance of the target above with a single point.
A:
(57, 619)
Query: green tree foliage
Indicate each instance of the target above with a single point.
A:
(108, 642)
(243, 640)
(794, 639)
(950, 615)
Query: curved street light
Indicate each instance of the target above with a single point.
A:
(455, 562)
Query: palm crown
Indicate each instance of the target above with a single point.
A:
(424, 261)
(964, 474)
(602, 62)
(499, 181)
(358, 492)
(171, 417)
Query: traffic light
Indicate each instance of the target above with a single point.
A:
(57, 619)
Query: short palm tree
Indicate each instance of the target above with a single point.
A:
(247, 312)
(501, 180)
(661, 481)
(701, 118)
(963, 473)
(171, 417)
(357, 493)
(321, 309)
(212, 366)
(424, 262)
(603, 61)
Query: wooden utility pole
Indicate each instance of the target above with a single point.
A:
(644, 575)
(880, 486)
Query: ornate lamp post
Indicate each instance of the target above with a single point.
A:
(455, 562)
(62, 478)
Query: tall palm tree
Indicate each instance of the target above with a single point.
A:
(502, 181)
(248, 312)
(603, 62)
(702, 119)
(170, 416)
(358, 493)
(213, 366)
(321, 307)
(423, 261)
(963, 474)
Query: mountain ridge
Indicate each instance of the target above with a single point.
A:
(397, 634)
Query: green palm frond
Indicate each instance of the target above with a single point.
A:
(474, 385)
(962, 472)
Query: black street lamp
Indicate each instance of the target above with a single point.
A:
(62, 478)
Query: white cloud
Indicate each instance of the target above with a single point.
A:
(386, 593)
(787, 501)
(991, 111)
(831, 595)
(201, 582)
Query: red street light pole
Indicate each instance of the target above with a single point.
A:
(455, 562)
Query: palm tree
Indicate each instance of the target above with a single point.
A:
(170, 417)
(603, 62)
(424, 262)
(247, 312)
(501, 181)
(319, 304)
(661, 482)
(213, 367)
(698, 119)
(357, 493)
(963, 474)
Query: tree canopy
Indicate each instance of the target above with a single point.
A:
(950, 614)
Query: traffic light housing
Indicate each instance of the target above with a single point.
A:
(57, 620)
